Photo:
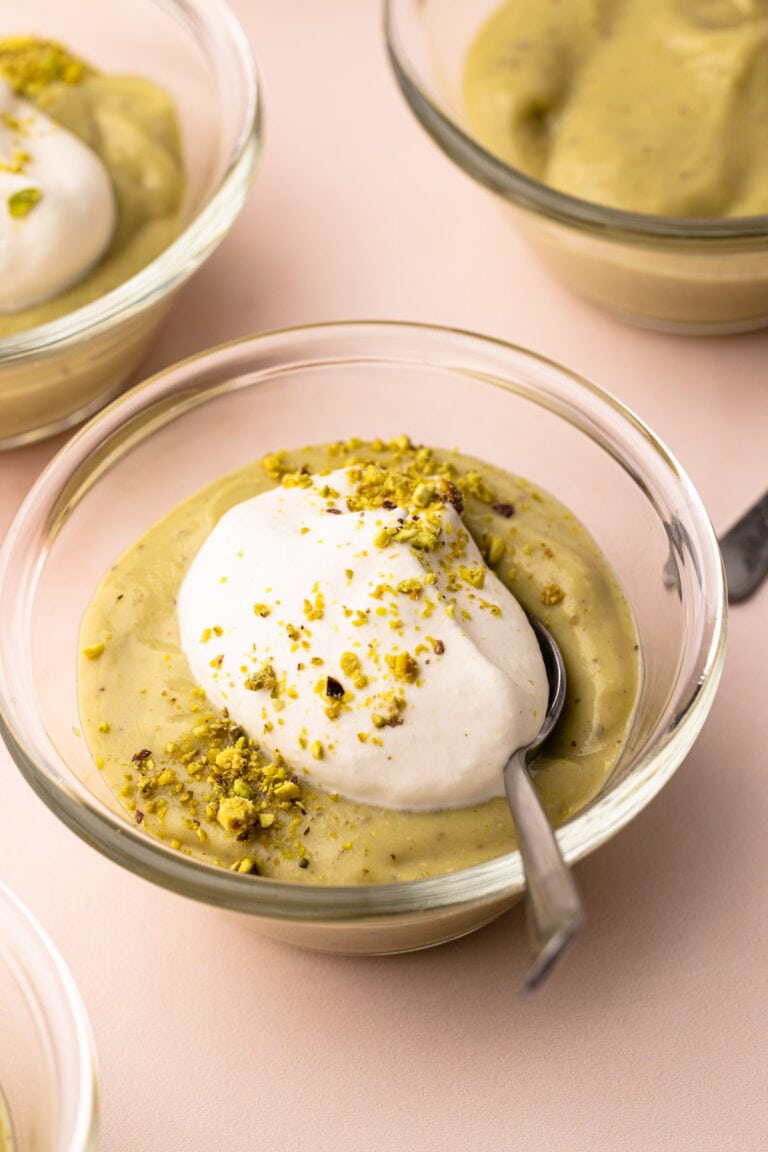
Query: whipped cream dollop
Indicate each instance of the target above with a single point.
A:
(57, 206)
(373, 648)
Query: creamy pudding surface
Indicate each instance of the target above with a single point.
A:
(652, 106)
(316, 668)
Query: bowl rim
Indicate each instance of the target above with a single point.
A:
(531, 194)
(173, 392)
(29, 943)
(185, 254)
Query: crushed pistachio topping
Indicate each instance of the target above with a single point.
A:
(218, 777)
(314, 610)
(552, 594)
(403, 666)
(19, 158)
(415, 585)
(236, 814)
(494, 550)
(21, 203)
(423, 536)
(30, 65)
(274, 465)
(350, 663)
(263, 679)
(391, 715)
(474, 576)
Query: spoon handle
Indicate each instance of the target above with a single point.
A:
(745, 552)
(553, 903)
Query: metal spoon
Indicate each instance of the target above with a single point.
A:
(745, 552)
(552, 900)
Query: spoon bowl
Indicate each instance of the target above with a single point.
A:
(553, 903)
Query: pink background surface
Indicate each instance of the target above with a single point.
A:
(652, 1034)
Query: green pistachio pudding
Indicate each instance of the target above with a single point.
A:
(329, 701)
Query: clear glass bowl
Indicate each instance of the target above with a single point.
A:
(180, 430)
(47, 1062)
(669, 273)
(57, 374)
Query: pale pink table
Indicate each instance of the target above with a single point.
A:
(653, 1034)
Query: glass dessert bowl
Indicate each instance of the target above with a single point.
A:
(47, 1062)
(169, 437)
(62, 369)
(673, 273)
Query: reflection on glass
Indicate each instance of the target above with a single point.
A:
(7, 1143)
